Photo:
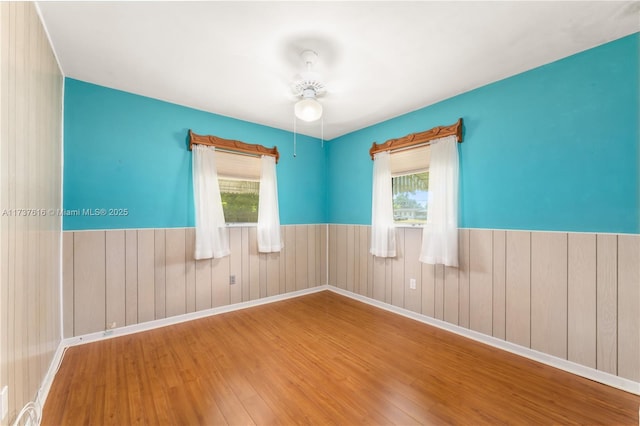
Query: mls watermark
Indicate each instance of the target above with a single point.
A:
(100, 212)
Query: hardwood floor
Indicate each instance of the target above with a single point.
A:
(318, 359)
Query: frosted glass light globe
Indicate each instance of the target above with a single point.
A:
(308, 109)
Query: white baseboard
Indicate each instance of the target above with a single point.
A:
(31, 413)
(150, 325)
(563, 364)
(51, 373)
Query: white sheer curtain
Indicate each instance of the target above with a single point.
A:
(383, 233)
(268, 213)
(440, 234)
(211, 233)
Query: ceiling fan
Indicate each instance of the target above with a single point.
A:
(308, 87)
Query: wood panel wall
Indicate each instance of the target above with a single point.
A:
(575, 296)
(30, 169)
(124, 277)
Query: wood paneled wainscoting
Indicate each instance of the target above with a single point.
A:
(31, 87)
(113, 278)
(575, 296)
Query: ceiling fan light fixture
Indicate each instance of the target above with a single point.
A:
(308, 109)
(308, 87)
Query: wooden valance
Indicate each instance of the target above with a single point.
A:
(419, 138)
(231, 145)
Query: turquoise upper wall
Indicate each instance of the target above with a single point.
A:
(128, 151)
(554, 148)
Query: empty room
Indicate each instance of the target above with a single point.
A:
(232, 213)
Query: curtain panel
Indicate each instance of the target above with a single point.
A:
(440, 233)
(269, 240)
(383, 232)
(212, 239)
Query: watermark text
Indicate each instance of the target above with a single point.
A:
(99, 212)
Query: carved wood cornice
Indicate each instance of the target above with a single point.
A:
(419, 138)
(232, 145)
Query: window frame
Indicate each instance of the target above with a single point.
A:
(239, 224)
(400, 224)
(237, 166)
(409, 161)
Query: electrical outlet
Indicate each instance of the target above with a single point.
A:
(232, 279)
(4, 402)
(412, 283)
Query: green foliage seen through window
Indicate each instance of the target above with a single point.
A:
(239, 200)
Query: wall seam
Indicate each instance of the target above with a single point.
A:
(137, 280)
(617, 305)
(493, 284)
(596, 310)
(567, 296)
(505, 287)
(567, 306)
(106, 284)
(530, 286)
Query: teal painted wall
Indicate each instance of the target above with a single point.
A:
(554, 148)
(128, 151)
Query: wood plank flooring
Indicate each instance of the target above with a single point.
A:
(318, 359)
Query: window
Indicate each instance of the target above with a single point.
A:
(239, 180)
(410, 185)
(239, 200)
(410, 198)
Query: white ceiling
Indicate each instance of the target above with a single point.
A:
(378, 59)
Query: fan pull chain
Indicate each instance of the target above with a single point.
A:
(294, 136)
(322, 133)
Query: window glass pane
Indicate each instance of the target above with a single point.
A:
(410, 198)
(239, 200)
